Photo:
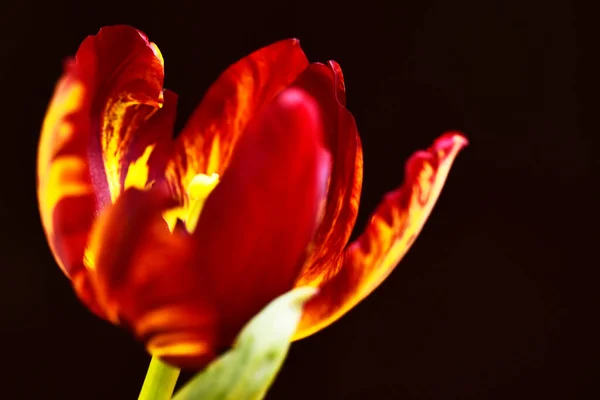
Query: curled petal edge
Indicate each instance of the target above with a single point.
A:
(326, 84)
(391, 231)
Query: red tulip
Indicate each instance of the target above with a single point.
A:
(184, 240)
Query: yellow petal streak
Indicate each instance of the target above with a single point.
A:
(137, 173)
(389, 234)
(197, 193)
(60, 175)
(121, 118)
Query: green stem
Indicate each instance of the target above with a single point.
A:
(160, 381)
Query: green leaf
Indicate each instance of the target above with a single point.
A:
(247, 370)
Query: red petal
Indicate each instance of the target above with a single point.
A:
(111, 87)
(391, 231)
(150, 280)
(125, 74)
(65, 192)
(255, 226)
(238, 95)
(186, 297)
(326, 84)
(151, 146)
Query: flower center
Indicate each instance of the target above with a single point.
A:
(197, 193)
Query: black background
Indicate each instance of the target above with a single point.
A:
(493, 301)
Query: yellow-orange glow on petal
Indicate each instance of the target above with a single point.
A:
(189, 349)
(122, 117)
(60, 183)
(345, 280)
(181, 349)
(69, 96)
(206, 144)
(157, 53)
(66, 196)
(197, 193)
(199, 189)
(55, 177)
(137, 173)
(88, 258)
(125, 84)
(148, 278)
(154, 240)
(62, 174)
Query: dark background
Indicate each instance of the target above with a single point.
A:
(494, 299)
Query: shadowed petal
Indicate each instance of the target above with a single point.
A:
(125, 81)
(326, 84)
(257, 223)
(391, 231)
(238, 95)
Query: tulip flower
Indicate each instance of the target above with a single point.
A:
(183, 240)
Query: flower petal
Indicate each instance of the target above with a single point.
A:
(388, 236)
(187, 296)
(126, 78)
(65, 192)
(151, 146)
(256, 225)
(148, 279)
(326, 84)
(108, 90)
(206, 143)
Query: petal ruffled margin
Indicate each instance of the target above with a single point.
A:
(391, 231)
